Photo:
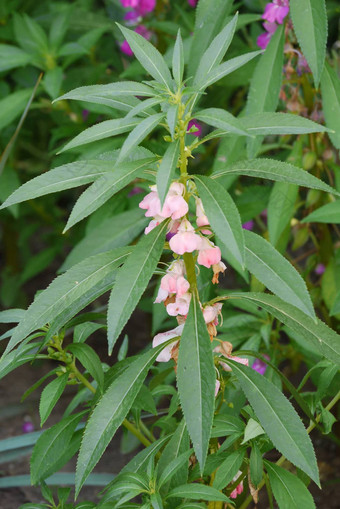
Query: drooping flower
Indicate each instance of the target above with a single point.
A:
(165, 354)
(174, 206)
(185, 240)
(239, 488)
(217, 268)
(197, 125)
(276, 11)
(201, 219)
(209, 254)
(180, 306)
(225, 348)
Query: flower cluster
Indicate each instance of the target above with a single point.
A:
(274, 12)
(134, 17)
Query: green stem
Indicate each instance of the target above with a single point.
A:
(281, 460)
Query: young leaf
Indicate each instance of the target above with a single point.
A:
(281, 209)
(198, 492)
(148, 56)
(139, 133)
(101, 131)
(171, 118)
(228, 469)
(266, 83)
(273, 270)
(110, 412)
(256, 465)
(50, 395)
(215, 52)
(278, 418)
(329, 213)
(311, 14)
(223, 215)
(13, 105)
(66, 289)
(330, 88)
(66, 176)
(177, 445)
(196, 380)
(132, 280)
(320, 337)
(11, 57)
(105, 187)
(275, 170)
(51, 445)
(221, 119)
(227, 68)
(172, 468)
(112, 90)
(253, 430)
(90, 360)
(178, 59)
(288, 489)
(167, 169)
(280, 123)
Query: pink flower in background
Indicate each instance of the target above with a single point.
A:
(194, 123)
(129, 3)
(192, 3)
(259, 365)
(185, 240)
(141, 30)
(263, 39)
(320, 269)
(248, 225)
(209, 254)
(145, 6)
(165, 354)
(276, 11)
(239, 488)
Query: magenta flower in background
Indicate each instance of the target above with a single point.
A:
(85, 114)
(192, 3)
(145, 6)
(248, 225)
(194, 123)
(27, 427)
(129, 3)
(276, 11)
(135, 190)
(132, 18)
(259, 365)
(263, 39)
(141, 30)
(319, 269)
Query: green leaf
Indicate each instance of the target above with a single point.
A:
(109, 92)
(139, 133)
(281, 209)
(171, 118)
(256, 465)
(280, 123)
(275, 170)
(329, 213)
(330, 88)
(11, 57)
(196, 370)
(266, 83)
(289, 490)
(84, 330)
(274, 271)
(147, 104)
(110, 412)
(66, 289)
(30, 35)
(178, 59)
(311, 14)
(221, 119)
(90, 360)
(66, 176)
(253, 430)
(51, 445)
(228, 67)
(228, 469)
(148, 56)
(50, 395)
(214, 54)
(52, 81)
(223, 215)
(224, 425)
(177, 445)
(140, 461)
(198, 492)
(105, 187)
(13, 105)
(11, 315)
(102, 130)
(166, 171)
(172, 468)
(132, 281)
(278, 418)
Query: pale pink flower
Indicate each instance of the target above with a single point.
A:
(155, 222)
(217, 387)
(180, 306)
(210, 313)
(186, 240)
(276, 11)
(178, 267)
(202, 219)
(165, 355)
(174, 206)
(209, 254)
(241, 360)
(239, 488)
(172, 284)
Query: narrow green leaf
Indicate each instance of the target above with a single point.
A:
(311, 14)
(84, 330)
(274, 271)
(51, 445)
(275, 170)
(50, 396)
(214, 54)
(110, 412)
(278, 418)
(281, 209)
(166, 170)
(330, 88)
(221, 119)
(105, 187)
(89, 359)
(11, 315)
(266, 83)
(228, 67)
(132, 281)
(102, 130)
(280, 123)
(178, 59)
(289, 490)
(65, 289)
(173, 467)
(196, 370)
(321, 338)
(171, 117)
(143, 106)
(253, 430)
(256, 465)
(139, 462)
(139, 133)
(148, 56)
(177, 445)
(329, 213)
(13, 105)
(223, 215)
(66, 176)
(228, 469)
(11, 57)
(122, 88)
(198, 492)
